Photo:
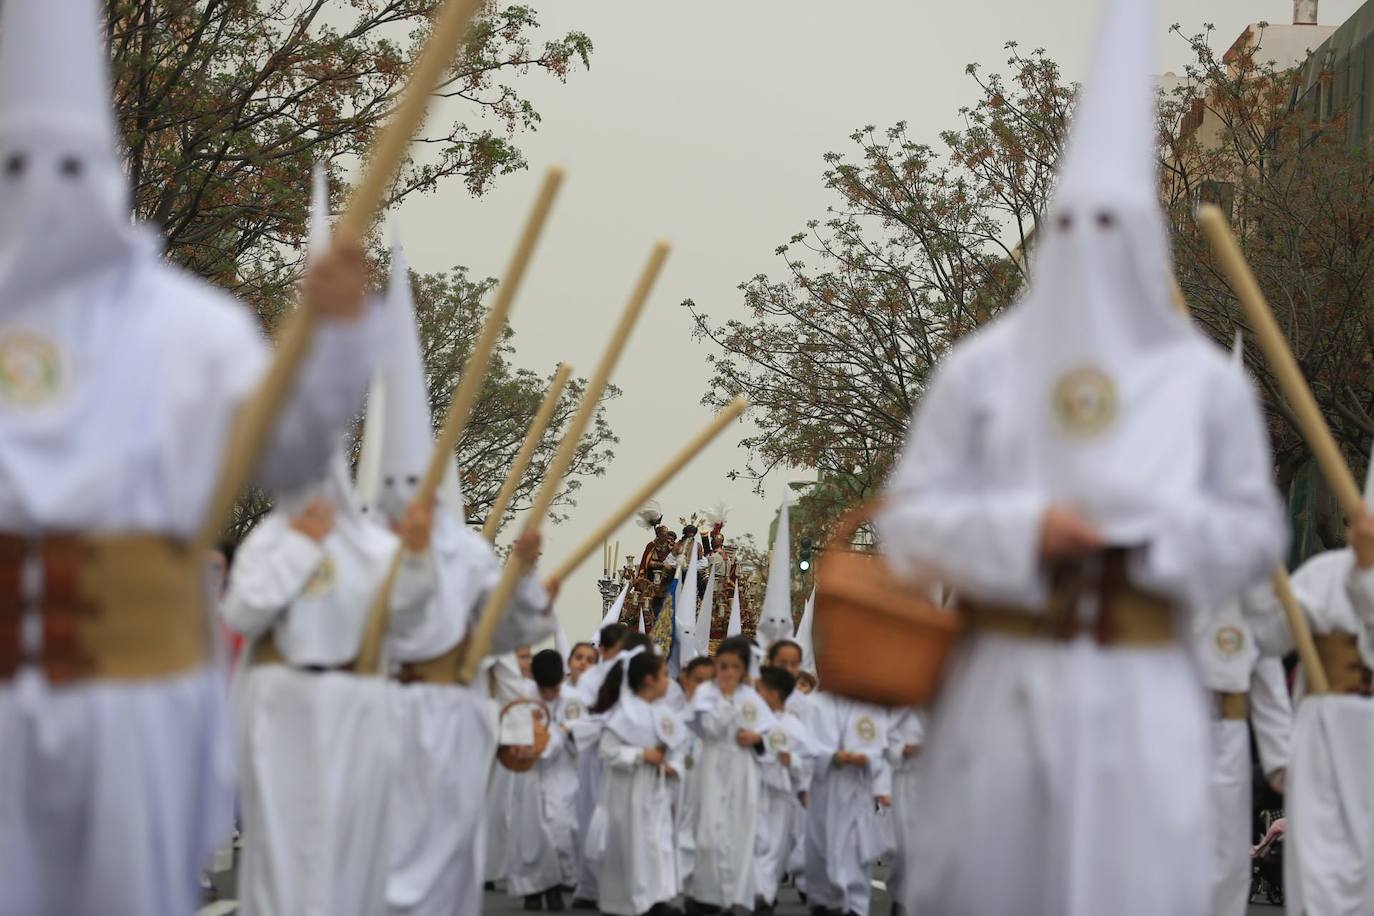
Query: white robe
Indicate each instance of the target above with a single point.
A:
(137, 774)
(637, 865)
(446, 734)
(1032, 742)
(315, 752)
(779, 820)
(723, 870)
(1231, 662)
(504, 684)
(585, 733)
(1329, 852)
(844, 838)
(800, 704)
(539, 850)
(905, 727)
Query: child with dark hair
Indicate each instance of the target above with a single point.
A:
(582, 657)
(786, 777)
(731, 719)
(638, 869)
(539, 852)
(687, 803)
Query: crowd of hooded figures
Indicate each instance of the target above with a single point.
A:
(716, 787)
(1087, 485)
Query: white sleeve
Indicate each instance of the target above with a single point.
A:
(1267, 621)
(1359, 585)
(323, 401)
(270, 571)
(617, 754)
(1271, 713)
(940, 522)
(1207, 549)
(415, 583)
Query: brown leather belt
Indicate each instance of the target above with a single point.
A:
(1344, 666)
(267, 652)
(121, 607)
(1126, 616)
(442, 669)
(1232, 707)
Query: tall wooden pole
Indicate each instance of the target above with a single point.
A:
(1299, 396)
(479, 641)
(542, 418)
(255, 419)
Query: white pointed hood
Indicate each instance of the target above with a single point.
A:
(775, 618)
(612, 615)
(398, 436)
(64, 201)
(1098, 332)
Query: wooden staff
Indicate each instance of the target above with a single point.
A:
(254, 420)
(650, 487)
(464, 400)
(479, 641)
(542, 418)
(1314, 428)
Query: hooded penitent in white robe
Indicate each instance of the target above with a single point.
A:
(905, 728)
(315, 751)
(539, 850)
(1230, 659)
(723, 870)
(637, 864)
(844, 837)
(779, 820)
(1095, 394)
(1328, 859)
(122, 379)
(445, 733)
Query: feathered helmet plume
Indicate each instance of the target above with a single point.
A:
(716, 515)
(651, 516)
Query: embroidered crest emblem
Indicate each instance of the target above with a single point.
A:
(1085, 402)
(323, 580)
(749, 713)
(572, 710)
(667, 727)
(777, 739)
(866, 729)
(31, 372)
(1230, 641)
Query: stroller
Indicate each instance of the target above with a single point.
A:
(1266, 861)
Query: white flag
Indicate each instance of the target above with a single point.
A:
(703, 642)
(612, 616)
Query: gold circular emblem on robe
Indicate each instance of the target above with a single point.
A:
(1085, 401)
(31, 369)
(572, 710)
(323, 580)
(1230, 641)
(749, 713)
(866, 729)
(777, 739)
(666, 728)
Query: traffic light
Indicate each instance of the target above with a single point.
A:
(804, 555)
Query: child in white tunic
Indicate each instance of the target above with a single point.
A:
(786, 776)
(788, 655)
(638, 869)
(905, 734)
(851, 780)
(687, 797)
(539, 850)
(730, 717)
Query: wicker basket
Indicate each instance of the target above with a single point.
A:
(878, 639)
(509, 755)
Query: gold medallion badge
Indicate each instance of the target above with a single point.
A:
(572, 711)
(866, 729)
(1085, 402)
(777, 739)
(31, 372)
(666, 727)
(1230, 641)
(750, 714)
(323, 580)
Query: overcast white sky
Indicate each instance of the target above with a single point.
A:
(704, 122)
